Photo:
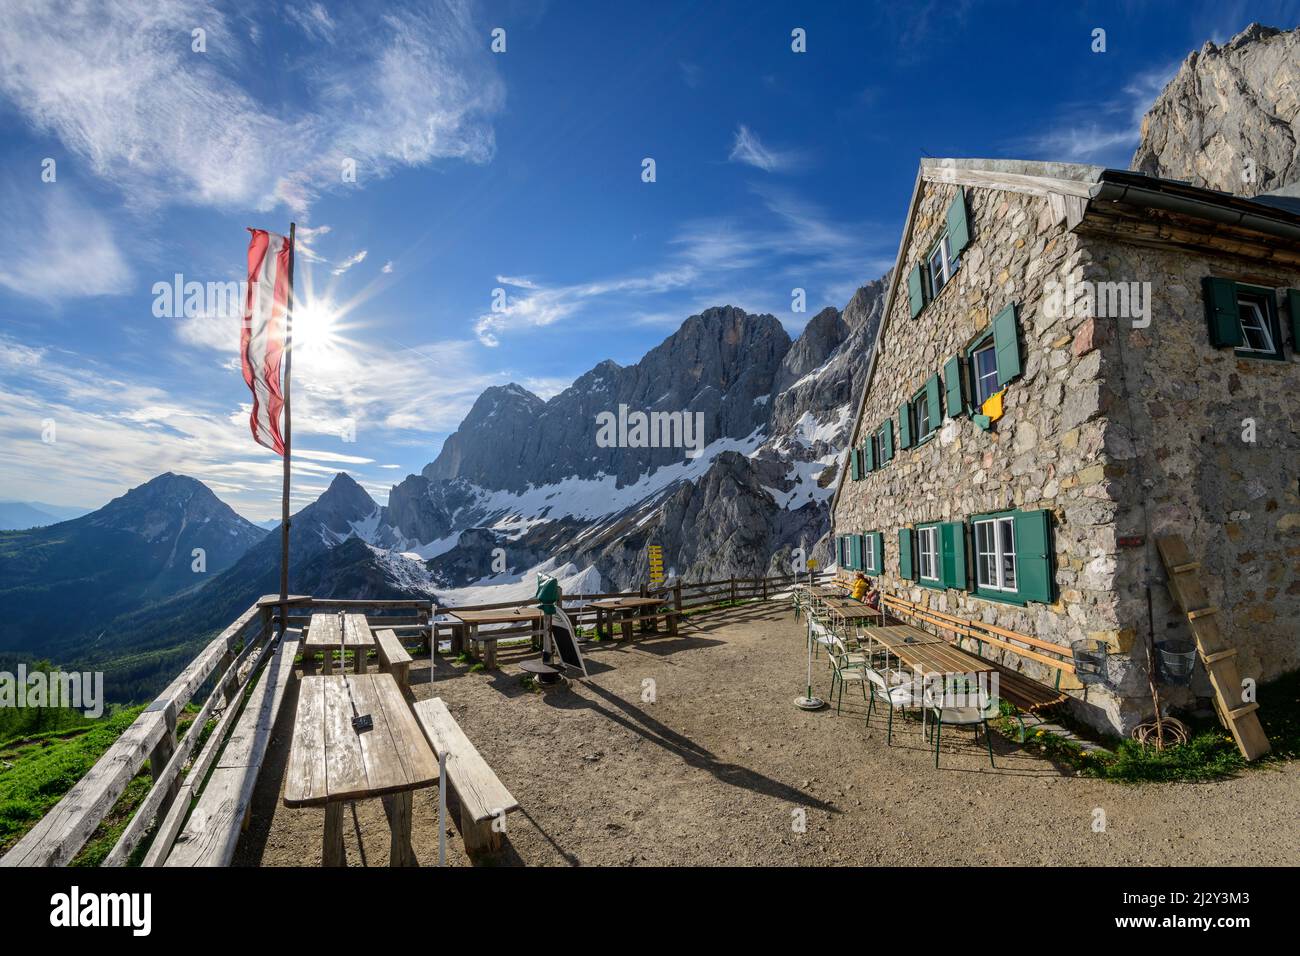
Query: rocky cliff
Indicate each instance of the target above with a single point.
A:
(527, 478)
(1230, 118)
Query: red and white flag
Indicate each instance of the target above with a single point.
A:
(261, 340)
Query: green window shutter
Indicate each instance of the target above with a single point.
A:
(952, 396)
(916, 290)
(868, 458)
(958, 227)
(905, 568)
(855, 463)
(1034, 556)
(887, 440)
(1221, 312)
(904, 427)
(878, 549)
(855, 551)
(952, 554)
(1006, 339)
(1293, 305)
(932, 399)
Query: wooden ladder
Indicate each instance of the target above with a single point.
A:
(1220, 660)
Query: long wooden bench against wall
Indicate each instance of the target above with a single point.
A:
(1024, 693)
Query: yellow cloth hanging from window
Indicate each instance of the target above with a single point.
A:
(992, 407)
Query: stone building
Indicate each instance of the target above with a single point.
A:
(1071, 361)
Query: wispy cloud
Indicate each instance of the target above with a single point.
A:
(1104, 131)
(707, 260)
(313, 19)
(349, 262)
(54, 246)
(119, 85)
(747, 148)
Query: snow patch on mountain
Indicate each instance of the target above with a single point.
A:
(522, 587)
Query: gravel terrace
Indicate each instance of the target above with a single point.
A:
(716, 764)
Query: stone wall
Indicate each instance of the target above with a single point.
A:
(1181, 464)
(1051, 449)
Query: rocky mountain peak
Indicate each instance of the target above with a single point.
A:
(341, 505)
(167, 502)
(1230, 118)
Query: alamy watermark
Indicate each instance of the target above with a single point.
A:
(651, 430)
(181, 299)
(76, 690)
(1101, 300)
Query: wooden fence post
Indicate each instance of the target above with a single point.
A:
(162, 753)
(733, 589)
(677, 608)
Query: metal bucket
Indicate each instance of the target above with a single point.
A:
(1177, 659)
(1090, 660)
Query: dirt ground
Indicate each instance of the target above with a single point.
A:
(687, 750)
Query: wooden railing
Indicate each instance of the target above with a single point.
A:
(229, 663)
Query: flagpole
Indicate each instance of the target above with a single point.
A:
(288, 429)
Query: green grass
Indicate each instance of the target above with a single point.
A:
(36, 771)
(40, 771)
(1209, 754)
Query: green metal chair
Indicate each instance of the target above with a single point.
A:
(846, 668)
(894, 697)
(976, 716)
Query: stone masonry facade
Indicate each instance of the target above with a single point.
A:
(1117, 431)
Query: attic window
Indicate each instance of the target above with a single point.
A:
(941, 264)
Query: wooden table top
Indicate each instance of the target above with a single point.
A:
(325, 631)
(329, 760)
(852, 610)
(615, 604)
(926, 652)
(503, 615)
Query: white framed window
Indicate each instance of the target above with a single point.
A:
(922, 424)
(995, 554)
(984, 362)
(941, 265)
(1256, 328)
(927, 553)
(869, 553)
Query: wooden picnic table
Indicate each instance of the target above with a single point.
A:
(334, 632)
(926, 653)
(627, 609)
(331, 763)
(471, 621)
(847, 610)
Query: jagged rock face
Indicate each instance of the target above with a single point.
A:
(421, 509)
(474, 557)
(722, 362)
(742, 516)
(1230, 119)
(493, 440)
(827, 375)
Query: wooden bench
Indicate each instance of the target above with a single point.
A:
(1027, 695)
(483, 798)
(212, 831)
(393, 658)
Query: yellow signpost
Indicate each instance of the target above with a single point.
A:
(656, 554)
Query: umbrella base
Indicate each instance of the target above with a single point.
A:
(809, 703)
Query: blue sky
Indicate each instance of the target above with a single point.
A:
(477, 171)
